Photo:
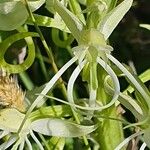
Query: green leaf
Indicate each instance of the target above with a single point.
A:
(111, 20)
(31, 52)
(83, 2)
(61, 128)
(13, 13)
(144, 77)
(110, 132)
(56, 143)
(36, 4)
(146, 137)
(50, 6)
(111, 4)
(10, 119)
(45, 21)
(72, 22)
(51, 112)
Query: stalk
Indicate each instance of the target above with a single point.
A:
(110, 132)
(48, 49)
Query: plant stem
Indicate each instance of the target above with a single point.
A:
(26, 80)
(48, 49)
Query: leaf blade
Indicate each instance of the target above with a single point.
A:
(112, 19)
(61, 128)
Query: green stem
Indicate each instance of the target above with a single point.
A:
(26, 80)
(48, 50)
(43, 67)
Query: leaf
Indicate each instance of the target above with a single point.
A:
(10, 119)
(45, 21)
(50, 6)
(83, 2)
(36, 4)
(146, 137)
(111, 4)
(13, 13)
(56, 143)
(110, 129)
(51, 112)
(144, 77)
(111, 20)
(72, 22)
(10, 15)
(31, 52)
(147, 26)
(61, 128)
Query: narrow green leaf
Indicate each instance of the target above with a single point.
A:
(111, 20)
(144, 77)
(50, 6)
(45, 21)
(72, 22)
(36, 4)
(61, 128)
(51, 112)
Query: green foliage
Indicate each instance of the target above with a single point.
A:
(89, 118)
(10, 13)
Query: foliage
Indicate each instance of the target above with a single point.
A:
(88, 117)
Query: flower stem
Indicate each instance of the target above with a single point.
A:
(48, 49)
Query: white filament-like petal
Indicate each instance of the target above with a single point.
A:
(119, 147)
(21, 147)
(48, 86)
(115, 81)
(72, 104)
(28, 143)
(3, 133)
(71, 81)
(131, 78)
(36, 140)
(8, 143)
(143, 146)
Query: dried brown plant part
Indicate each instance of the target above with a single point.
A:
(11, 95)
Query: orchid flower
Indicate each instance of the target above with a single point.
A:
(92, 50)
